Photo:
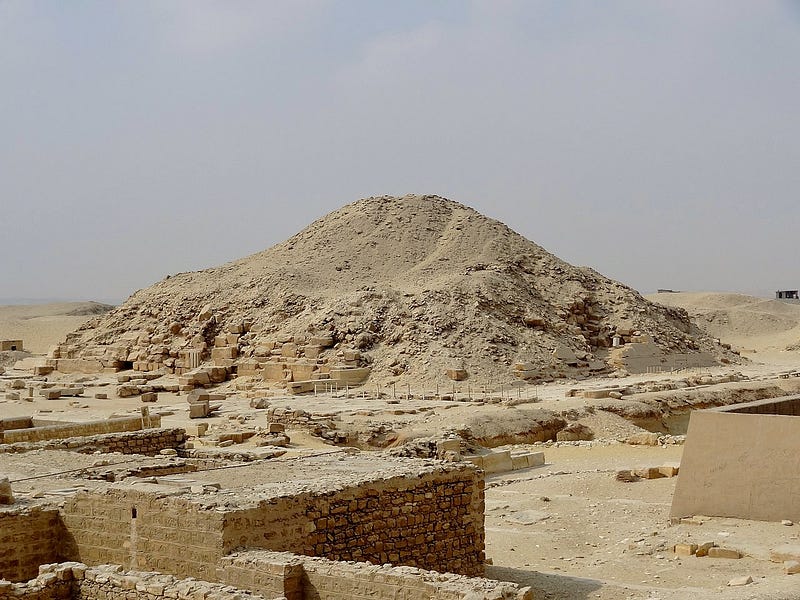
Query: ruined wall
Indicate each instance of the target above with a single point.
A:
(29, 537)
(147, 441)
(740, 465)
(788, 406)
(76, 581)
(140, 530)
(434, 521)
(50, 432)
(309, 578)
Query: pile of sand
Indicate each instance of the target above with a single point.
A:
(746, 322)
(418, 284)
(41, 326)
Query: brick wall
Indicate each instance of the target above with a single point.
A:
(141, 530)
(28, 537)
(434, 521)
(146, 441)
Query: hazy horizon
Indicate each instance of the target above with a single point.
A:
(654, 142)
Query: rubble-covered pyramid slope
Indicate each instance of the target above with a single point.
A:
(410, 287)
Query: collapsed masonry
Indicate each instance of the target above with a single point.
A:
(224, 526)
(408, 289)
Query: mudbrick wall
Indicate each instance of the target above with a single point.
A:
(145, 441)
(431, 519)
(434, 521)
(140, 530)
(29, 537)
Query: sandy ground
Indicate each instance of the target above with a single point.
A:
(40, 326)
(753, 325)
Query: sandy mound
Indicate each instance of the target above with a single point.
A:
(744, 321)
(417, 285)
(40, 326)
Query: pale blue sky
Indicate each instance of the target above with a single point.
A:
(657, 142)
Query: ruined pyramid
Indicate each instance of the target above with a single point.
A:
(411, 289)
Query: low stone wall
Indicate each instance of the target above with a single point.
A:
(786, 406)
(76, 581)
(15, 423)
(431, 516)
(307, 578)
(29, 537)
(66, 430)
(433, 521)
(142, 530)
(147, 441)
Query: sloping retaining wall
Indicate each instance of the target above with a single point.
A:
(742, 461)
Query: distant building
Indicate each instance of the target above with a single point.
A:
(792, 296)
(6, 345)
(665, 291)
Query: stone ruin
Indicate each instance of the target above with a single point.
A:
(421, 289)
(330, 526)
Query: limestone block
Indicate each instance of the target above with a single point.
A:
(702, 549)
(220, 341)
(565, 355)
(276, 428)
(684, 549)
(351, 355)
(785, 552)
(791, 567)
(350, 376)
(312, 351)
(272, 371)
(289, 350)
(716, 552)
(149, 397)
(6, 494)
(224, 352)
(198, 410)
(649, 473)
(497, 462)
(534, 459)
(232, 339)
(457, 374)
(519, 461)
(302, 371)
(325, 341)
(668, 470)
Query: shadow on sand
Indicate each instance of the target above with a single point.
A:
(547, 586)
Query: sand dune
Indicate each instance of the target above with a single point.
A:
(40, 326)
(746, 322)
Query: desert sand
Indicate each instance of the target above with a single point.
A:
(760, 328)
(41, 326)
